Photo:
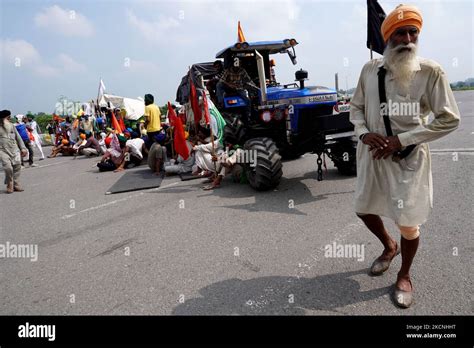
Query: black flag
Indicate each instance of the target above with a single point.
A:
(375, 17)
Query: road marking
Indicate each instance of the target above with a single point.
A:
(48, 165)
(104, 205)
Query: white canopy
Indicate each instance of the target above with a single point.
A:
(135, 107)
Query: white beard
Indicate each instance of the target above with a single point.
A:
(401, 64)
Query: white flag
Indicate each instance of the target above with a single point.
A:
(101, 87)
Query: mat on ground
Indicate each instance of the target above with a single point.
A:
(189, 176)
(135, 180)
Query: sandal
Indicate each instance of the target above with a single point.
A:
(403, 299)
(379, 267)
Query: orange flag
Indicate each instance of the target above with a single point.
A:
(240, 34)
(115, 124)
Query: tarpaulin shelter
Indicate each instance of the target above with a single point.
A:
(199, 72)
(135, 108)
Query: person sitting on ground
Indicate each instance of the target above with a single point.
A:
(204, 152)
(66, 148)
(133, 150)
(91, 147)
(114, 155)
(226, 163)
(182, 165)
(81, 141)
(157, 155)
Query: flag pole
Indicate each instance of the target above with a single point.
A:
(213, 147)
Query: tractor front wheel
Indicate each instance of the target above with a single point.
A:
(266, 170)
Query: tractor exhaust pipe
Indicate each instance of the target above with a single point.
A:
(261, 77)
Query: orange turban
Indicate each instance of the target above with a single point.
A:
(403, 15)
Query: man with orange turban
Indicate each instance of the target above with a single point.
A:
(394, 177)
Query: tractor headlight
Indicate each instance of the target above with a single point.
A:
(266, 116)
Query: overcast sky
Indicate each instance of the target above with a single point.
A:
(53, 48)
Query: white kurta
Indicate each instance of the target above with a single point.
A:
(401, 191)
(203, 155)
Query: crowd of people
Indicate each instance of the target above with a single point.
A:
(121, 144)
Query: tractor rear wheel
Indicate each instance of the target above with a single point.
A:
(265, 173)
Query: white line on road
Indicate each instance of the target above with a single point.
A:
(116, 201)
(51, 164)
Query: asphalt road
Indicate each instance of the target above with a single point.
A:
(231, 251)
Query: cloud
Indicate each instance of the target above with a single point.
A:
(18, 52)
(22, 54)
(152, 30)
(64, 21)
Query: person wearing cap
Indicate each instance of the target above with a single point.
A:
(114, 155)
(152, 117)
(391, 181)
(157, 154)
(133, 150)
(91, 147)
(12, 149)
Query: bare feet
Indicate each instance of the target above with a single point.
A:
(118, 170)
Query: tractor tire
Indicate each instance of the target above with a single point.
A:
(234, 130)
(267, 172)
(345, 158)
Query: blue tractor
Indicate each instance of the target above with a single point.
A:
(286, 120)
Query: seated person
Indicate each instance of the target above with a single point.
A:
(226, 164)
(133, 152)
(91, 146)
(204, 152)
(65, 147)
(211, 85)
(182, 165)
(114, 155)
(157, 154)
(235, 80)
